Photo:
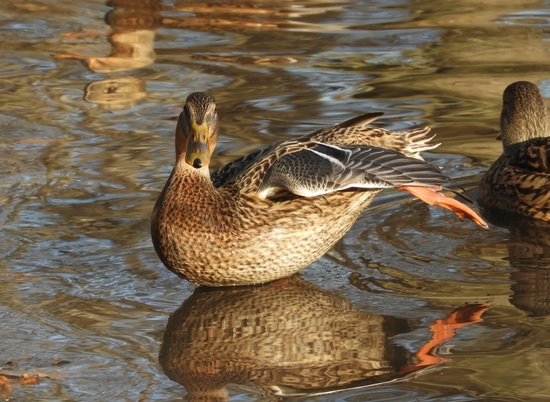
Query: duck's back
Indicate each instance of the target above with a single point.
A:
(519, 181)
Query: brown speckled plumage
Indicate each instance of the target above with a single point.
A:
(518, 182)
(268, 214)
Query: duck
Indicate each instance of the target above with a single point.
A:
(518, 183)
(268, 214)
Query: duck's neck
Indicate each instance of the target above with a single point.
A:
(186, 204)
(184, 169)
(188, 191)
(189, 180)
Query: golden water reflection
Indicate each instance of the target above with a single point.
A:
(452, 70)
(86, 152)
(133, 25)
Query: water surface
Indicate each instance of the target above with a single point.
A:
(89, 96)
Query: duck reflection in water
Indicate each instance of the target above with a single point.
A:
(290, 338)
(529, 253)
(528, 247)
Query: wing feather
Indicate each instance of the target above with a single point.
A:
(323, 169)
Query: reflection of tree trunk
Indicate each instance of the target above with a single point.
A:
(133, 25)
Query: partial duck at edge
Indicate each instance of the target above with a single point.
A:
(518, 182)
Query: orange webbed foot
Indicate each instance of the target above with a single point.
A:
(434, 196)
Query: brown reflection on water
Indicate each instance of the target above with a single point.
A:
(251, 15)
(482, 48)
(290, 338)
(460, 68)
(116, 93)
(80, 280)
(528, 248)
(133, 25)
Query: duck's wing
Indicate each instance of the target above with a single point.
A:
(527, 173)
(353, 132)
(247, 173)
(323, 169)
(533, 156)
(533, 189)
(519, 182)
(359, 132)
(338, 134)
(309, 169)
(233, 169)
(508, 188)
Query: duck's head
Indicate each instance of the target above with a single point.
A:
(197, 130)
(524, 115)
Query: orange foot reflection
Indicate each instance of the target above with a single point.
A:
(443, 331)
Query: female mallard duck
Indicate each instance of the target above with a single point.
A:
(268, 214)
(519, 181)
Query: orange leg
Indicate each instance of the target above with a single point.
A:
(433, 196)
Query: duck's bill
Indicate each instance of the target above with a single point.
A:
(198, 152)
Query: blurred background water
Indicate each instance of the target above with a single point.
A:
(89, 96)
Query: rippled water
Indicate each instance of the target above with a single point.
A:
(87, 143)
